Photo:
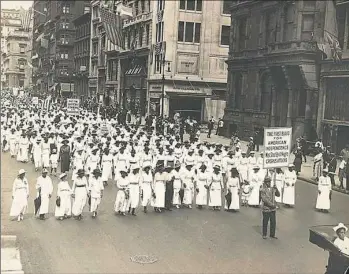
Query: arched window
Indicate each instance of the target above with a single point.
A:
(238, 91)
(266, 91)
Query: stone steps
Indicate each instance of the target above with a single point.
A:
(10, 256)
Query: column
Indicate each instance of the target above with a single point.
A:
(321, 106)
(118, 92)
(273, 106)
(308, 114)
(289, 107)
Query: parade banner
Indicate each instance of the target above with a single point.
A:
(15, 91)
(73, 106)
(35, 100)
(277, 147)
(104, 129)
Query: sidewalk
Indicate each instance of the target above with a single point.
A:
(10, 257)
(306, 173)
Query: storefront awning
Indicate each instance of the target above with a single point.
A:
(136, 70)
(67, 87)
(188, 94)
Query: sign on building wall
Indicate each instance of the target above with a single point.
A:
(73, 106)
(35, 100)
(277, 147)
(187, 64)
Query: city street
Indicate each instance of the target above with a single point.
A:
(184, 241)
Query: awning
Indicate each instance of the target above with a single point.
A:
(136, 70)
(188, 94)
(67, 87)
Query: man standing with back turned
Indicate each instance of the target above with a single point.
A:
(268, 194)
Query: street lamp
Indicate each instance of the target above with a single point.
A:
(163, 83)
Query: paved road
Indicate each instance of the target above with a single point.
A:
(185, 241)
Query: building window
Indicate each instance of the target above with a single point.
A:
(140, 37)
(64, 39)
(142, 6)
(158, 63)
(288, 23)
(159, 32)
(270, 27)
(238, 91)
(341, 18)
(65, 25)
(64, 54)
(95, 48)
(191, 5)
(225, 35)
(66, 8)
(226, 6)
(161, 5)
(266, 91)
(87, 9)
(307, 27)
(22, 49)
(189, 32)
(242, 33)
(112, 70)
(147, 32)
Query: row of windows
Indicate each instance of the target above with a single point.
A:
(139, 36)
(82, 62)
(190, 32)
(82, 30)
(196, 5)
(82, 47)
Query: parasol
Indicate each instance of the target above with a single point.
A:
(37, 203)
(228, 199)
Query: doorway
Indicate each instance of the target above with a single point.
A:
(186, 106)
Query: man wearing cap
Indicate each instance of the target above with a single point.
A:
(96, 188)
(64, 192)
(288, 197)
(323, 201)
(44, 187)
(268, 194)
(342, 241)
(20, 195)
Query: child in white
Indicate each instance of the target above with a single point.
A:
(54, 161)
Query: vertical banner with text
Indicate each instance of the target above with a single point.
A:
(277, 147)
(73, 106)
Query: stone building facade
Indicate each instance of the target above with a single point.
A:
(274, 66)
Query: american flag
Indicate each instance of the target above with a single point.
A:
(160, 48)
(113, 27)
(26, 17)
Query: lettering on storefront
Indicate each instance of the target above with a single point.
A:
(155, 88)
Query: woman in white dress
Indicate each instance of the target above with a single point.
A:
(123, 195)
(80, 192)
(323, 201)
(233, 188)
(107, 163)
(20, 195)
(318, 164)
(215, 188)
(23, 148)
(280, 181)
(177, 184)
(159, 186)
(96, 188)
(243, 167)
(188, 185)
(202, 180)
(64, 192)
(146, 186)
(256, 182)
(289, 188)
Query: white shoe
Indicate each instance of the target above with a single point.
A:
(189, 206)
(19, 219)
(177, 206)
(22, 217)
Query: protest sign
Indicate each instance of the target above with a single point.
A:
(277, 147)
(73, 106)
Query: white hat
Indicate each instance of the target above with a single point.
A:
(62, 175)
(291, 165)
(325, 170)
(252, 152)
(44, 170)
(339, 226)
(256, 167)
(135, 167)
(21, 171)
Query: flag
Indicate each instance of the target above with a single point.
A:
(160, 48)
(26, 16)
(124, 12)
(329, 43)
(113, 27)
(160, 15)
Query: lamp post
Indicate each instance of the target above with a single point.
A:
(163, 83)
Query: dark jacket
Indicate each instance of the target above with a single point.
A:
(268, 198)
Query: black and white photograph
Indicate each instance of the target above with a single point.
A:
(174, 136)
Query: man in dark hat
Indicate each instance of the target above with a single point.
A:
(268, 194)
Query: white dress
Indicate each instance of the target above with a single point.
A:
(177, 185)
(20, 193)
(202, 181)
(121, 199)
(134, 180)
(280, 181)
(289, 188)
(107, 163)
(188, 184)
(255, 184)
(80, 190)
(343, 245)
(95, 187)
(159, 189)
(216, 190)
(233, 185)
(146, 184)
(64, 192)
(323, 198)
(46, 188)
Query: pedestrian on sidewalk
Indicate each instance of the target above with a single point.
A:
(332, 166)
(341, 171)
(268, 194)
(318, 164)
(298, 160)
(20, 195)
(210, 127)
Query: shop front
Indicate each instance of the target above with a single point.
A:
(66, 89)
